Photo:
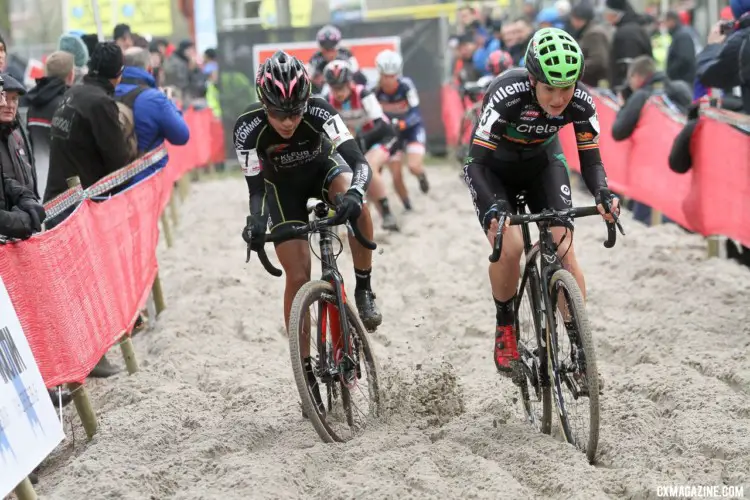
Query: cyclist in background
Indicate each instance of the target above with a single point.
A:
(515, 147)
(364, 117)
(293, 147)
(398, 97)
(498, 61)
(329, 39)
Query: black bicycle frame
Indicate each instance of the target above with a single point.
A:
(549, 263)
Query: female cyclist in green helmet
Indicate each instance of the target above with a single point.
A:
(555, 64)
(515, 148)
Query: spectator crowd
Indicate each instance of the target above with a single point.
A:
(99, 106)
(629, 55)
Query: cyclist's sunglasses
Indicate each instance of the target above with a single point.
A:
(283, 114)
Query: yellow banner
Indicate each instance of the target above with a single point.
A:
(301, 13)
(145, 17)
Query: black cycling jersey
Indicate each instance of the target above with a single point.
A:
(514, 128)
(321, 139)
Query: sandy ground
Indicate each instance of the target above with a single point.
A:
(214, 411)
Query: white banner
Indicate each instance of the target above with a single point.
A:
(29, 427)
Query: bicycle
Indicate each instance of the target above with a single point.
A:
(343, 346)
(548, 288)
(470, 117)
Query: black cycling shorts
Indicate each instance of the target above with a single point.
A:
(286, 198)
(543, 177)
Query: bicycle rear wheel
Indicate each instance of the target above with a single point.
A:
(350, 403)
(529, 376)
(573, 369)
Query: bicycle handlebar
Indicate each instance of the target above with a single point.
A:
(293, 231)
(553, 215)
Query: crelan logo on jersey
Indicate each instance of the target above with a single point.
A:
(508, 90)
(537, 129)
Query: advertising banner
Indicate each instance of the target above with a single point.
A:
(421, 42)
(145, 17)
(29, 426)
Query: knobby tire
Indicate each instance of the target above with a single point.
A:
(564, 284)
(310, 293)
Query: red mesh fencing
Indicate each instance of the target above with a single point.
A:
(77, 288)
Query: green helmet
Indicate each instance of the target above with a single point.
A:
(554, 57)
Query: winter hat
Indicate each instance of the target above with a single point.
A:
(12, 85)
(106, 61)
(74, 45)
(739, 7)
(563, 7)
(583, 11)
(548, 15)
(618, 5)
(91, 40)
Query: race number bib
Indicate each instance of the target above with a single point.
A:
(249, 162)
(488, 119)
(337, 130)
(594, 121)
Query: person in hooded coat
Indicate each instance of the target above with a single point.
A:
(594, 40)
(41, 102)
(181, 71)
(630, 41)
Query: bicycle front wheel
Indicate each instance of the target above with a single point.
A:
(572, 361)
(529, 374)
(346, 400)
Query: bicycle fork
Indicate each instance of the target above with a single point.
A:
(337, 348)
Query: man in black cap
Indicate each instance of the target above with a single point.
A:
(16, 157)
(630, 41)
(86, 139)
(594, 40)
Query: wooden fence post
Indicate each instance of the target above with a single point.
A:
(173, 209)
(25, 490)
(128, 353)
(714, 246)
(158, 296)
(165, 228)
(183, 186)
(655, 217)
(84, 408)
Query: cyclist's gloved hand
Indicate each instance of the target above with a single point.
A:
(607, 203)
(493, 214)
(349, 206)
(254, 233)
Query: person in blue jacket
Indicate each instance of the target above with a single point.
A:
(156, 117)
(486, 45)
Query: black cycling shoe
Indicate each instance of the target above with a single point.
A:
(368, 310)
(390, 223)
(424, 186)
(312, 382)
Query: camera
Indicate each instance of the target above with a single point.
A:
(726, 27)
